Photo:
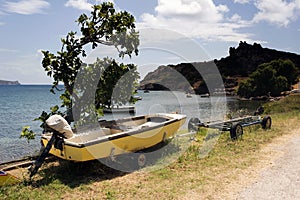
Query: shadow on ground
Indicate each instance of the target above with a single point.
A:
(75, 174)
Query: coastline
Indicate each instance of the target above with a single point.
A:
(4, 82)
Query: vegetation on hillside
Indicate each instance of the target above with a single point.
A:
(271, 78)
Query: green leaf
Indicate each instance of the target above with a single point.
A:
(27, 133)
(54, 109)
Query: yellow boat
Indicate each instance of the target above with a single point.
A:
(116, 137)
(7, 179)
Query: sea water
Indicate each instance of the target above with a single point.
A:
(20, 105)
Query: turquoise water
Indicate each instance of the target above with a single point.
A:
(19, 105)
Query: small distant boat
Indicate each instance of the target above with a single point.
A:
(205, 95)
(137, 98)
(146, 91)
(122, 109)
(219, 92)
(7, 179)
(116, 137)
(188, 95)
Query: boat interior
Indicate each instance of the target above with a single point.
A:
(107, 128)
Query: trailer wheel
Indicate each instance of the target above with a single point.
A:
(266, 122)
(141, 160)
(164, 139)
(236, 131)
(193, 124)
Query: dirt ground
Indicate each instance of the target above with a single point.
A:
(276, 176)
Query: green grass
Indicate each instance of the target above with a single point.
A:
(290, 104)
(203, 167)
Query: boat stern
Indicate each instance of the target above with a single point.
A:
(7, 179)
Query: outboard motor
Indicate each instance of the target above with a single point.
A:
(59, 124)
(60, 129)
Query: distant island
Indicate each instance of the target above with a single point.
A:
(3, 82)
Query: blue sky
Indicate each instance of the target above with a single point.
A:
(172, 31)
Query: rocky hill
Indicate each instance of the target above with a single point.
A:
(241, 61)
(3, 82)
(245, 59)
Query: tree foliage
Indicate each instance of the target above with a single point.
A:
(104, 83)
(89, 87)
(270, 78)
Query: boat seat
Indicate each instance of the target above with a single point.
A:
(157, 119)
(114, 131)
(89, 135)
(145, 125)
(149, 124)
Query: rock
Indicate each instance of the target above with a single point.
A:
(241, 62)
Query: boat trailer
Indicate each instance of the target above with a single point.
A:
(235, 126)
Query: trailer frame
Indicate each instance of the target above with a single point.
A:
(235, 126)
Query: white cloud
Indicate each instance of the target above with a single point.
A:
(241, 1)
(236, 18)
(196, 18)
(2, 23)
(79, 4)
(280, 12)
(25, 68)
(297, 2)
(26, 7)
(203, 10)
(8, 50)
(84, 4)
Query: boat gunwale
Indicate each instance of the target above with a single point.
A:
(122, 134)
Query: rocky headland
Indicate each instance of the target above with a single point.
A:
(241, 62)
(3, 82)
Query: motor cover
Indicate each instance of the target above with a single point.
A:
(58, 123)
